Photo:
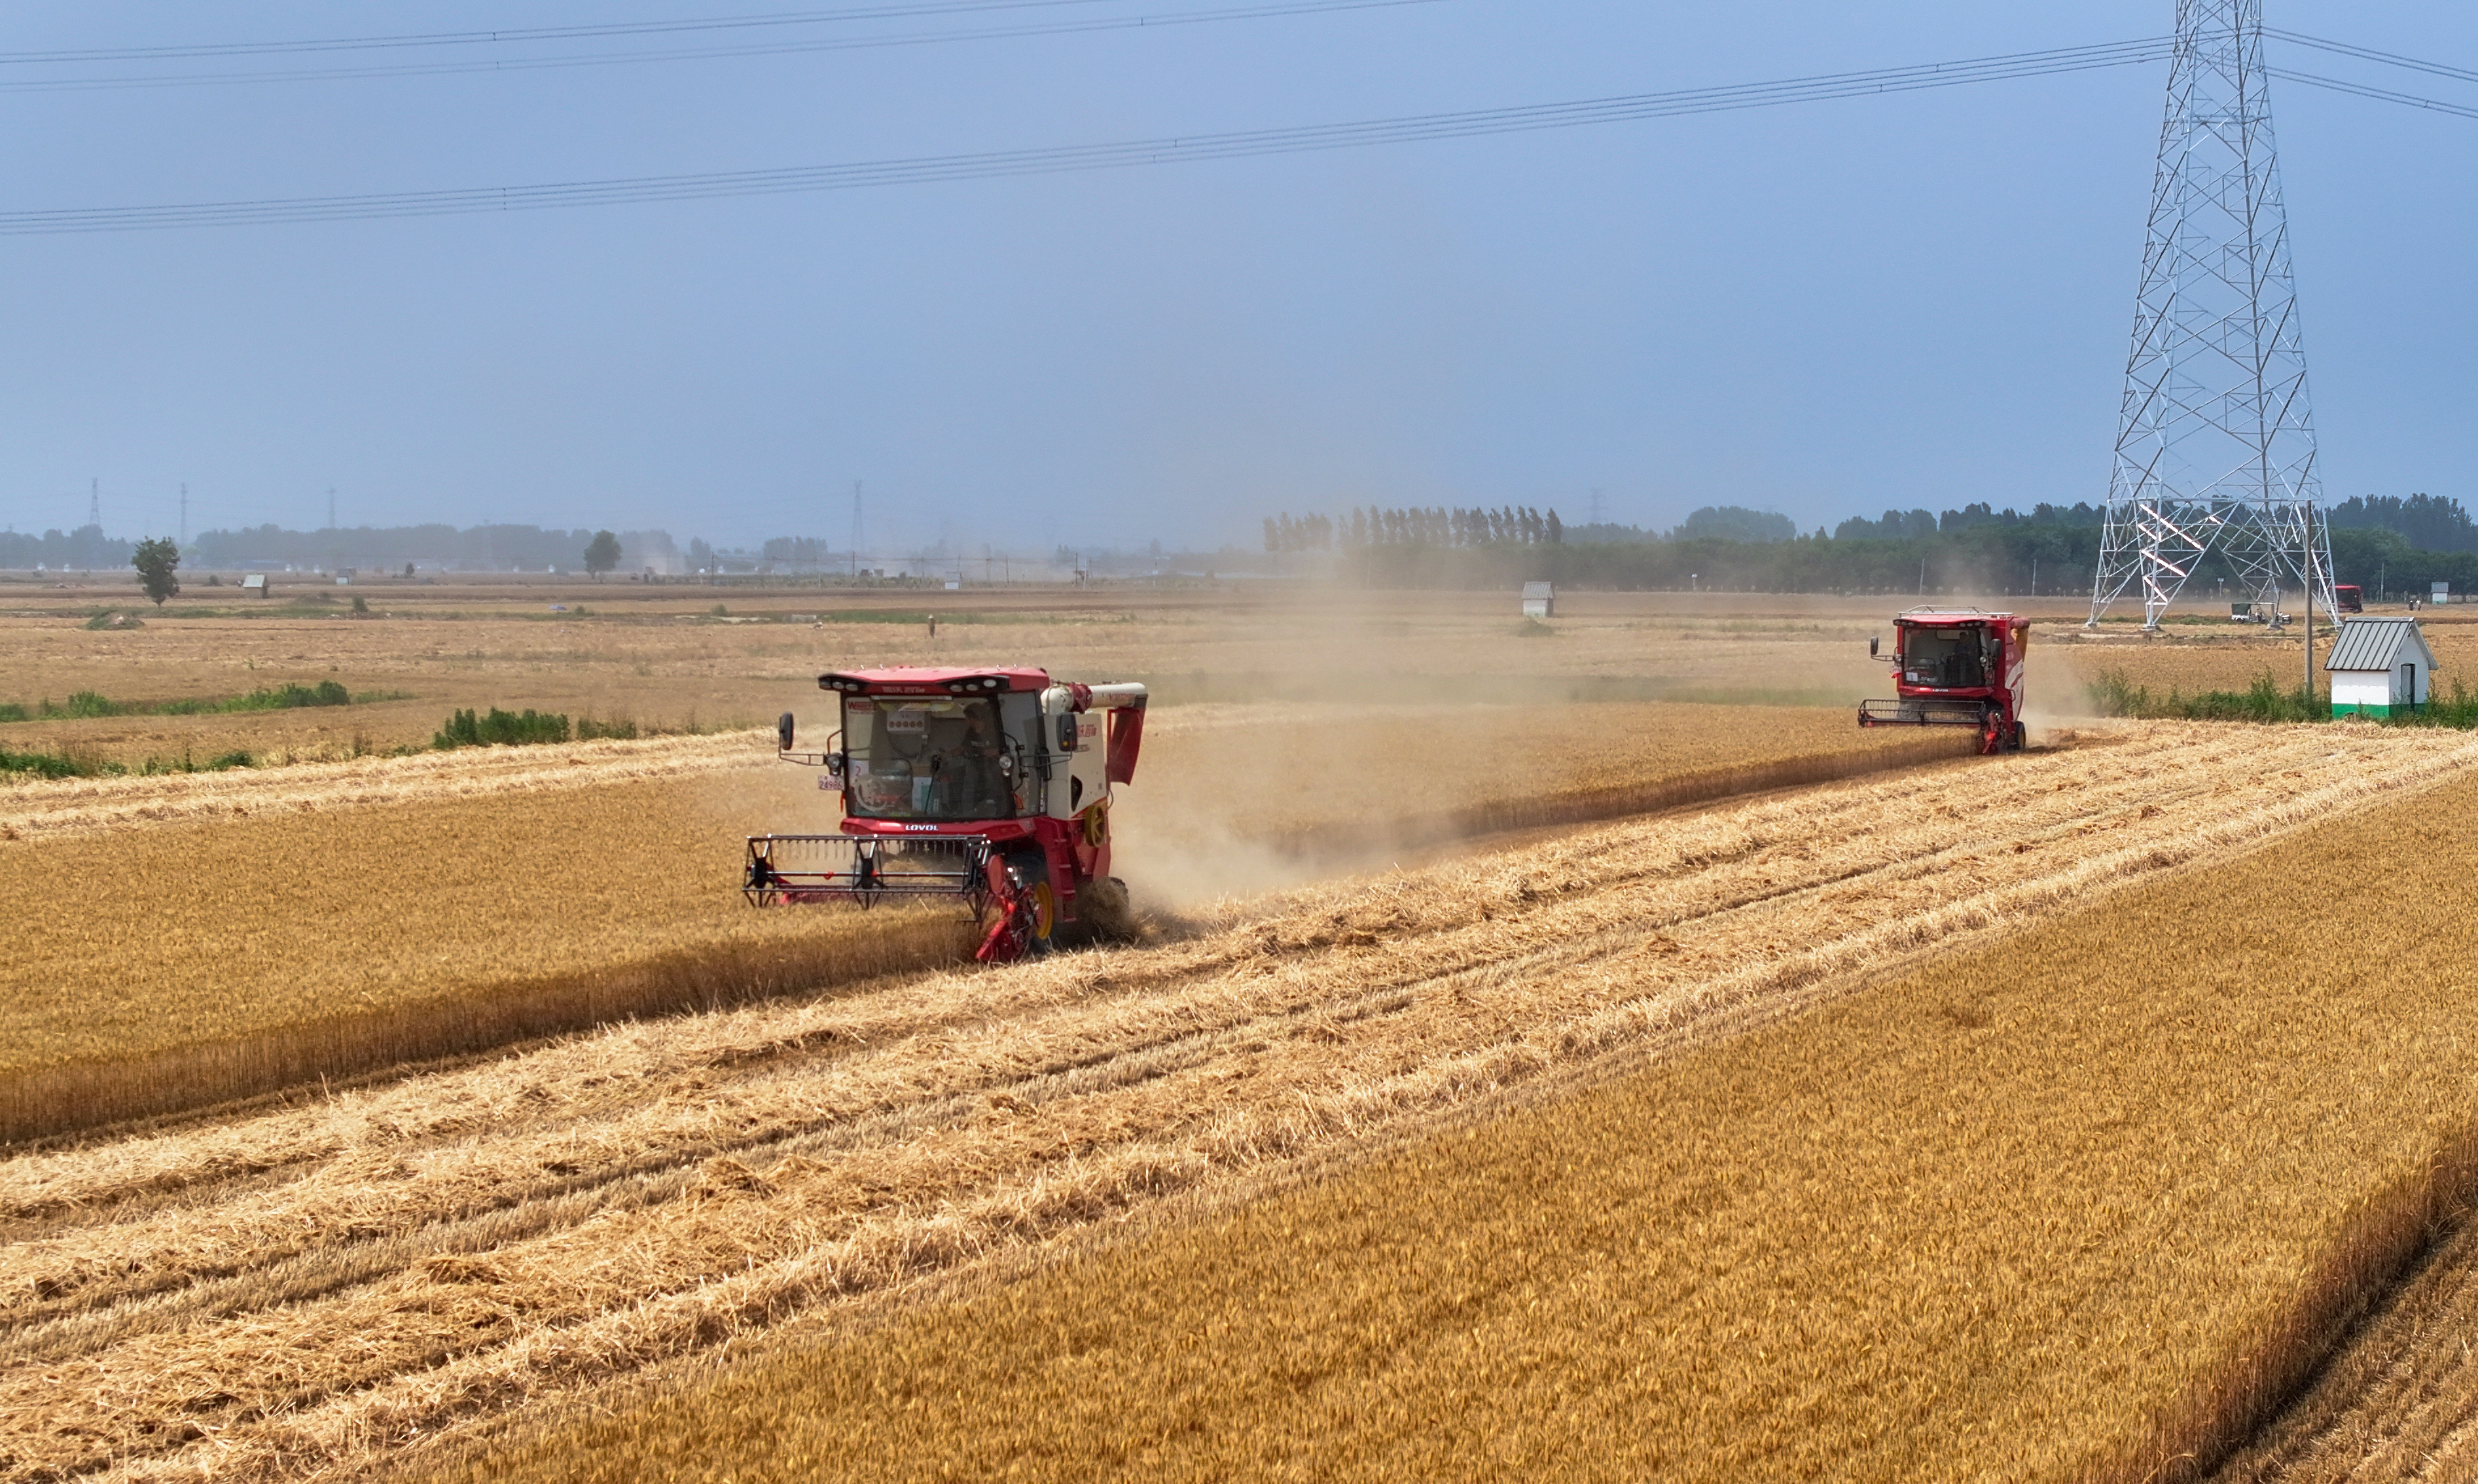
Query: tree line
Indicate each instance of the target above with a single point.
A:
(2379, 543)
(481, 547)
(85, 548)
(1508, 525)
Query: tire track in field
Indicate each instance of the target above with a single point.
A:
(303, 1287)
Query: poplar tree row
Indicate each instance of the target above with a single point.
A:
(1508, 525)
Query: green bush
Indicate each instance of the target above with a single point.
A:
(2266, 701)
(45, 765)
(284, 697)
(2461, 710)
(62, 765)
(496, 728)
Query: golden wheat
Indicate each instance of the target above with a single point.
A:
(535, 1226)
(197, 938)
(2039, 1211)
(2395, 1403)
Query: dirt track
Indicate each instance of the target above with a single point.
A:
(306, 1287)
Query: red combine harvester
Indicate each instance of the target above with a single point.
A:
(989, 786)
(1956, 667)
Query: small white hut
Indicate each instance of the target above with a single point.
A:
(2379, 665)
(1539, 600)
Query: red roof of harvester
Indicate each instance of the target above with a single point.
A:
(932, 680)
(1951, 615)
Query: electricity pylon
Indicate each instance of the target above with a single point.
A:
(2216, 443)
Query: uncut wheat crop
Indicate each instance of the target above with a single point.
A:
(508, 1234)
(268, 927)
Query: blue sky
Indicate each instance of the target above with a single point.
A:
(1823, 310)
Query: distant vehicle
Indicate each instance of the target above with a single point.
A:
(1956, 667)
(2346, 597)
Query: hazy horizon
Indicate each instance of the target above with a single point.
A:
(1823, 310)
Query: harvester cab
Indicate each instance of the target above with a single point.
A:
(1956, 667)
(988, 787)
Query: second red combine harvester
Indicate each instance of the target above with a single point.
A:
(1956, 667)
(987, 786)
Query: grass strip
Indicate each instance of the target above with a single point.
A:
(85, 704)
(2084, 1205)
(2266, 701)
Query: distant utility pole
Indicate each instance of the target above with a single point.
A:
(855, 528)
(94, 503)
(185, 515)
(1596, 507)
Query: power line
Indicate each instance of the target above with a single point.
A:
(1149, 22)
(2385, 95)
(1064, 159)
(505, 35)
(2370, 54)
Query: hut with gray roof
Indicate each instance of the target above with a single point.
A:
(2378, 666)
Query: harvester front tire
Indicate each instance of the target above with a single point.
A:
(1104, 913)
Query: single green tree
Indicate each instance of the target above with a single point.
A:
(601, 554)
(156, 561)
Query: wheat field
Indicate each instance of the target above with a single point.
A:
(2083, 1204)
(658, 657)
(312, 1287)
(269, 927)
(2398, 1402)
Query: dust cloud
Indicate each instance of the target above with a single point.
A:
(2055, 705)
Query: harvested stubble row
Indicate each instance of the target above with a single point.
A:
(2078, 1206)
(177, 1303)
(2399, 1401)
(268, 929)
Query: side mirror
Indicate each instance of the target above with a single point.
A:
(783, 733)
(1066, 733)
(1871, 654)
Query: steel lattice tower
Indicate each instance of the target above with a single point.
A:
(2215, 443)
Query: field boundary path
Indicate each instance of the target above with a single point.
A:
(308, 1287)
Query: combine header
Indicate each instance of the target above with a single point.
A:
(1956, 667)
(991, 787)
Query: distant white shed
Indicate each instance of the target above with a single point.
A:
(1539, 600)
(2379, 665)
(254, 584)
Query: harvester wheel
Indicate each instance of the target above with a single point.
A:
(1104, 913)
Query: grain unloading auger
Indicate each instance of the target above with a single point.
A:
(988, 787)
(1956, 667)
